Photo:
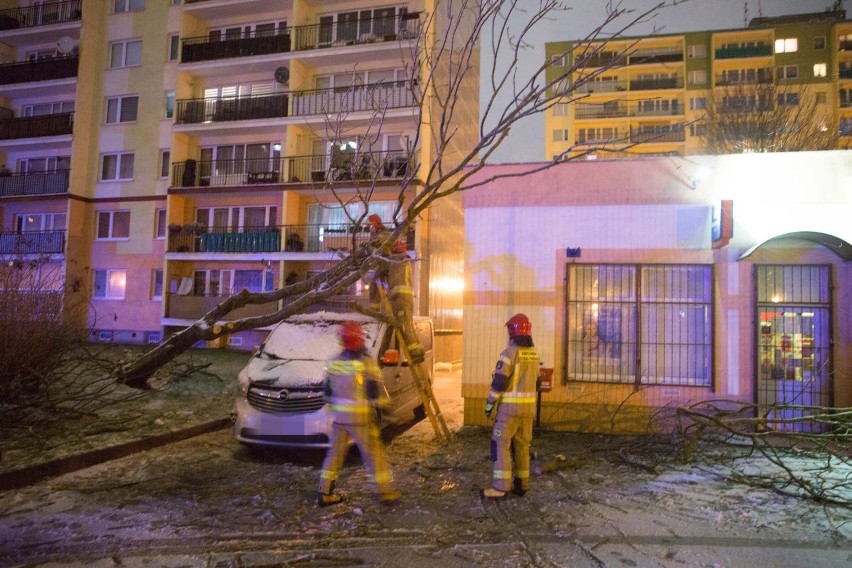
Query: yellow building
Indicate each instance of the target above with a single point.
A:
(164, 154)
(648, 95)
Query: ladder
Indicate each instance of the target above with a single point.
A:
(421, 379)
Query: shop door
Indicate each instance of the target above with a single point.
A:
(793, 343)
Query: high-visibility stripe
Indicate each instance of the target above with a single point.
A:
(401, 290)
(330, 475)
(518, 400)
(351, 408)
(345, 367)
(502, 474)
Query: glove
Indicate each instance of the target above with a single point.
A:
(488, 409)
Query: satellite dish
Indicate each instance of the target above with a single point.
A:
(282, 74)
(65, 45)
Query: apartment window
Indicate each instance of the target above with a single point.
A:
(820, 69)
(788, 71)
(237, 219)
(819, 42)
(41, 222)
(109, 284)
(697, 77)
(697, 51)
(113, 225)
(174, 47)
(645, 324)
(560, 109)
(160, 230)
(786, 45)
(788, 99)
(125, 54)
(165, 158)
(44, 109)
(157, 284)
(170, 104)
(559, 60)
(697, 129)
(227, 282)
(820, 98)
(697, 103)
(122, 109)
(129, 6)
(560, 135)
(117, 167)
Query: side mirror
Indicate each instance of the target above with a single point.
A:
(390, 357)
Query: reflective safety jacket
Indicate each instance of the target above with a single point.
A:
(399, 277)
(513, 384)
(354, 387)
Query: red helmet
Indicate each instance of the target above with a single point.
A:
(352, 336)
(399, 246)
(519, 324)
(376, 224)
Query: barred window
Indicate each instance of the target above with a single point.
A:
(649, 325)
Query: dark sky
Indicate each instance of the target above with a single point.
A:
(526, 141)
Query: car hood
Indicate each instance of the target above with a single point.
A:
(286, 373)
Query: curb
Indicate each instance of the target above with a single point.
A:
(30, 475)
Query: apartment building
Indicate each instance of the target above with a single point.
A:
(163, 154)
(647, 95)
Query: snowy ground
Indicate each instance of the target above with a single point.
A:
(209, 502)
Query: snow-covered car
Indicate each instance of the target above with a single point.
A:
(280, 399)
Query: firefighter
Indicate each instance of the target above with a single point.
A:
(513, 394)
(395, 275)
(355, 389)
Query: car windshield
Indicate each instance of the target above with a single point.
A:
(313, 339)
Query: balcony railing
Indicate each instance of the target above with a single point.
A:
(652, 84)
(652, 56)
(353, 99)
(340, 167)
(33, 242)
(602, 87)
(600, 111)
(662, 134)
(244, 44)
(672, 110)
(730, 80)
(296, 238)
(35, 183)
(43, 14)
(750, 51)
(374, 30)
(607, 59)
(846, 73)
(59, 124)
(845, 45)
(600, 138)
(193, 307)
(39, 70)
(196, 111)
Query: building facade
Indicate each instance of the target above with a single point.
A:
(659, 282)
(648, 95)
(163, 154)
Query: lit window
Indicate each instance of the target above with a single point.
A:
(122, 109)
(109, 284)
(820, 69)
(125, 54)
(786, 45)
(117, 167)
(113, 225)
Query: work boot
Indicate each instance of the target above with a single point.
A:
(326, 499)
(491, 493)
(518, 489)
(389, 497)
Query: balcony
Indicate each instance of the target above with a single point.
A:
(845, 73)
(373, 97)
(39, 70)
(32, 242)
(658, 134)
(59, 124)
(600, 138)
(361, 32)
(44, 14)
(245, 44)
(189, 238)
(646, 57)
(607, 110)
(601, 87)
(728, 80)
(738, 52)
(34, 183)
(252, 107)
(602, 59)
(297, 169)
(844, 45)
(655, 84)
(193, 307)
(675, 108)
